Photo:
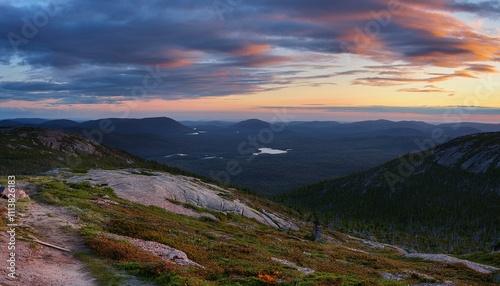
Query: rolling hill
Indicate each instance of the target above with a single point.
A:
(249, 125)
(162, 126)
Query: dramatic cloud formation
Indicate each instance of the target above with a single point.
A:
(93, 51)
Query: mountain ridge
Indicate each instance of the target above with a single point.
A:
(447, 188)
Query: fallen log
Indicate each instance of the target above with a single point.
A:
(51, 245)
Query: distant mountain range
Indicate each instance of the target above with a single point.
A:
(375, 128)
(316, 150)
(444, 199)
(157, 125)
(166, 126)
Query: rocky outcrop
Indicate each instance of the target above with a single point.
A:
(274, 219)
(60, 140)
(481, 268)
(161, 189)
(408, 274)
(165, 252)
(475, 153)
(304, 270)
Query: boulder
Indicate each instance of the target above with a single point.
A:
(19, 194)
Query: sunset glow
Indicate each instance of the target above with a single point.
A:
(322, 60)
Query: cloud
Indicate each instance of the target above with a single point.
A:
(482, 68)
(392, 81)
(115, 84)
(485, 8)
(252, 49)
(101, 50)
(472, 110)
(427, 89)
(351, 72)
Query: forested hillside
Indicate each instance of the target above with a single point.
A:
(446, 201)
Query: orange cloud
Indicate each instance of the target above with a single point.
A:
(252, 50)
(177, 63)
(392, 81)
(453, 41)
(175, 58)
(420, 36)
(482, 68)
(430, 88)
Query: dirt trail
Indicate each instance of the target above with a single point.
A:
(39, 265)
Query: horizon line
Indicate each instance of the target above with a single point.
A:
(81, 120)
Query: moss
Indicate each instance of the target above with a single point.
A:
(100, 270)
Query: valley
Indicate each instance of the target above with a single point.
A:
(129, 221)
(224, 151)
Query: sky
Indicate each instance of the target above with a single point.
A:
(429, 60)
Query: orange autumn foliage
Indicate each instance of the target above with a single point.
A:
(266, 278)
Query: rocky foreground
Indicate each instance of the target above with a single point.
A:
(170, 192)
(265, 247)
